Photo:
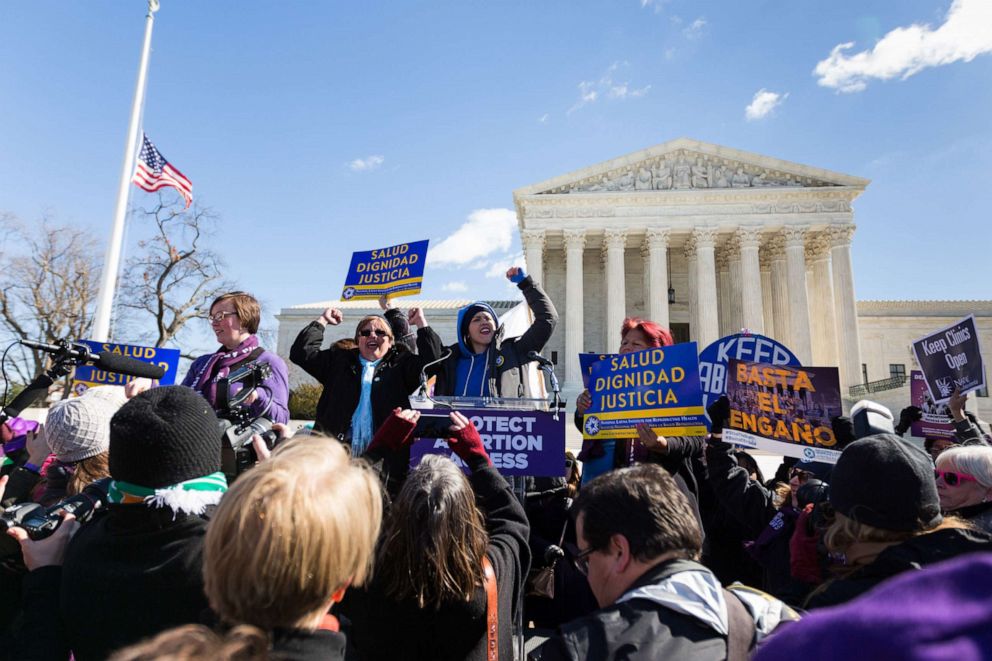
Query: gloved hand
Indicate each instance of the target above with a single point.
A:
(466, 442)
(396, 431)
(907, 417)
(516, 274)
(843, 431)
(719, 412)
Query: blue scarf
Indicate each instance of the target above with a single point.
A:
(361, 420)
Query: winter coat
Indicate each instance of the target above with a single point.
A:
(382, 628)
(676, 610)
(130, 573)
(978, 515)
(753, 507)
(504, 360)
(912, 554)
(274, 393)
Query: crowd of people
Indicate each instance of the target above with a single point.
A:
(332, 547)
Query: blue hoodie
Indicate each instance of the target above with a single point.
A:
(472, 373)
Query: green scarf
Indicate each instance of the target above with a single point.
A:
(191, 496)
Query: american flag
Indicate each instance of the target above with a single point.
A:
(154, 172)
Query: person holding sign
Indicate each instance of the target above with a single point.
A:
(234, 318)
(482, 363)
(363, 385)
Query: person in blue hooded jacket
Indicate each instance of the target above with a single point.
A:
(482, 363)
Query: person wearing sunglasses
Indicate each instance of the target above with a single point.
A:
(363, 385)
(234, 318)
(964, 484)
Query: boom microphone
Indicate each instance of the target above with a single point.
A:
(541, 360)
(105, 360)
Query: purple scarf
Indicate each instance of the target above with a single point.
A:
(219, 366)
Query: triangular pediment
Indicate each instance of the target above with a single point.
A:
(685, 164)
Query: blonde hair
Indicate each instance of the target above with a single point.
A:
(87, 471)
(844, 532)
(195, 641)
(974, 460)
(368, 320)
(291, 532)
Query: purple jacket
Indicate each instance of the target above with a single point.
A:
(276, 387)
(941, 612)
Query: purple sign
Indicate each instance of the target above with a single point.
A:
(936, 421)
(520, 443)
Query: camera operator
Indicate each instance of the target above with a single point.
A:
(135, 568)
(234, 318)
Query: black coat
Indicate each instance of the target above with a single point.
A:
(382, 628)
(915, 553)
(130, 573)
(637, 629)
(506, 357)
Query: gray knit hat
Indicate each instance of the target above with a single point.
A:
(79, 428)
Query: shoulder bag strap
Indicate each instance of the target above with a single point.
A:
(740, 627)
(492, 610)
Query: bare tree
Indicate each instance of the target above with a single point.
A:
(48, 283)
(173, 276)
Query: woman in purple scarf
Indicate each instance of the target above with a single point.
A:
(234, 318)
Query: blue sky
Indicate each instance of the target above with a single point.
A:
(315, 129)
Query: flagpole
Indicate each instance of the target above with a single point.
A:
(111, 263)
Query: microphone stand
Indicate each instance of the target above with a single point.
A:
(62, 363)
(422, 391)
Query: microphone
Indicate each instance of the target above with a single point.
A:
(423, 370)
(105, 360)
(541, 360)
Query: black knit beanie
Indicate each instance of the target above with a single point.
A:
(886, 482)
(470, 312)
(164, 436)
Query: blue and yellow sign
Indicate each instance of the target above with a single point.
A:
(586, 361)
(659, 387)
(393, 271)
(88, 376)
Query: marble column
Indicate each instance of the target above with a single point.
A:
(689, 250)
(821, 301)
(849, 350)
(780, 291)
(614, 243)
(752, 294)
(723, 290)
(766, 293)
(575, 243)
(656, 241)
(795, 263)
(709, 329)
(736, 317)
(533, 244)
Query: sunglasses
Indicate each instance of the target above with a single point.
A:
(953, 479)
(801, 474)
(378, 332)
(582, 561)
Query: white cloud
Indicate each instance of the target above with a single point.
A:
(456, 286)
(592, 90)
(543, 119)
(486, 231)
(763, 103)
(965, 34)
(499, 268)
(656, 5)
(695, 29)
(367, 164)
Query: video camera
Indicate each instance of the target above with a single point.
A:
(237, 425)
(870, 418)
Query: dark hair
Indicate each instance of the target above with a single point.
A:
(644, 504)
(747, 462)
(246, 306)
(655, 333)
(434, 538)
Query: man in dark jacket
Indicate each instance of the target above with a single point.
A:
(482, 363)
(639, 542)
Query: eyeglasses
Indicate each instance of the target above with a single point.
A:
(378, 332)
(582, 561)
(219, 317)
(801, 474)
(952, 479)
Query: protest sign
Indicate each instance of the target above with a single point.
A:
(951, 359)
(393, 271)
(88, 376)
(713, 360)
(520, 443)
(936, 421)
(658, 386)
(784, 409)
(586, 361)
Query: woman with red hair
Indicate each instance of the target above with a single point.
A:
(673, 453)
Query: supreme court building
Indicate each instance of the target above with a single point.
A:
(702, 238)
